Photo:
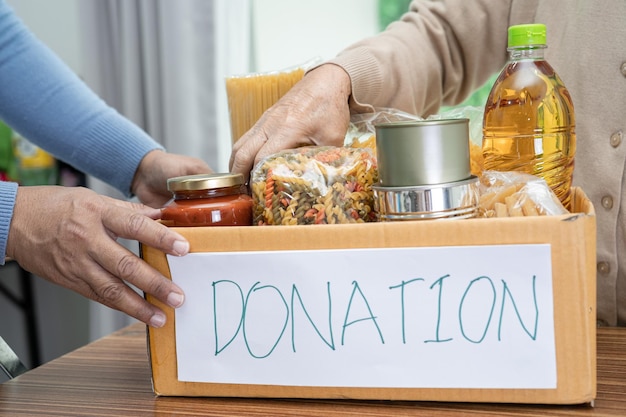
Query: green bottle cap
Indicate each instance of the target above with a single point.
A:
(525, 35)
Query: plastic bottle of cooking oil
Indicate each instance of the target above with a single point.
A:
(529, 122)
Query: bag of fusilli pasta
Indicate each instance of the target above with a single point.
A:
(315, 185)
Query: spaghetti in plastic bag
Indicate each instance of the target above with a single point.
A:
(250, 95)
(315, 185)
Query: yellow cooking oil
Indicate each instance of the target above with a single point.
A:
(529, 122)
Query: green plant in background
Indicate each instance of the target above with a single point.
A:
(7, 163)
(391, 10)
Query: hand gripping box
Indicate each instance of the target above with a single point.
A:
(478, 310)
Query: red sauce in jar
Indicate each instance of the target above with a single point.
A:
(208, 200)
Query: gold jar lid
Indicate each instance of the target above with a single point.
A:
(204, 182)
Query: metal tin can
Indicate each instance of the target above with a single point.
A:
(208, 200)
(422, 152)
(455, 200)
(424, 171)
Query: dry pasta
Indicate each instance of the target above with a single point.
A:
(250, 95)
(315, 185)
(516, 194)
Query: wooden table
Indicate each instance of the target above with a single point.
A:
(111, 377)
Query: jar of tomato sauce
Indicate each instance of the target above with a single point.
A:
(208, 200)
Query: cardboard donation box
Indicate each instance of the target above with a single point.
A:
(477, 310)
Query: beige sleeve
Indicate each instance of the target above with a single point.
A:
(438, 53)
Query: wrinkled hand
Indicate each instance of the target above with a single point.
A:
(150, 182)
(315, 111)
(68, 236)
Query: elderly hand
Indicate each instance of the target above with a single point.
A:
(150, 182)
(68, 236)
(315, 111)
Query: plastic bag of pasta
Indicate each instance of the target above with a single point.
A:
(515, 194)
(362, 129)
(315, 185)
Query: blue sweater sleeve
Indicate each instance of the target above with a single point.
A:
(8, 191)
(43, 100)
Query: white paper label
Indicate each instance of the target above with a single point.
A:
(445, 317)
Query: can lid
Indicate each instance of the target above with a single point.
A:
(204, 182)
(526, 35)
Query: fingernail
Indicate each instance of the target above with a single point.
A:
(175, 299)
(158, 320)
(180, 247)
